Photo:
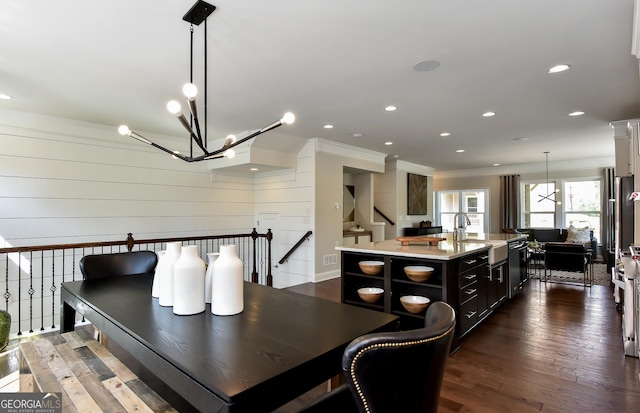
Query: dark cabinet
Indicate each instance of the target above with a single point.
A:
(414, 231)
(497, 280)
(473, 285)
(396, 284)
(468, 283)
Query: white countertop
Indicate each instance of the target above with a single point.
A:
(445, 250)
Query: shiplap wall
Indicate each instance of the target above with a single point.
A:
(64, 181)
(287, 196)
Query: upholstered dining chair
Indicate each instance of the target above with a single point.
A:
(116, 264)
(394, 372)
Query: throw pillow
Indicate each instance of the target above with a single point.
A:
(578, 235)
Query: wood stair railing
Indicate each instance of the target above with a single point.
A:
(295, 247)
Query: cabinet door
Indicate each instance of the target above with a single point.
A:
(483, 290)
(500, 282)
(492, 288)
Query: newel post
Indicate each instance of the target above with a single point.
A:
(129, 242)
(269, 275)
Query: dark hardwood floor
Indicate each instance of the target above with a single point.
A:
(553, 348)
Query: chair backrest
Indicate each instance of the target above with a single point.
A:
(120, 263)
(401, 371)
(565, 257)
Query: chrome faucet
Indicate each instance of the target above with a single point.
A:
(459, 233)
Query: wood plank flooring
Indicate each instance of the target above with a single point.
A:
(553, 348)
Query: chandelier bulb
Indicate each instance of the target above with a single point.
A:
(124, 130)
(288, 118)
(229, 153)
(173, 106)
(230, 139)
(190, 91)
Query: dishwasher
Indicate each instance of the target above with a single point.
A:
(517, 266)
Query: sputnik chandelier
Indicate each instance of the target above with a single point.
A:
(196, 15)
(551, 196)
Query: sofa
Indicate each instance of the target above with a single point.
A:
(544, 235)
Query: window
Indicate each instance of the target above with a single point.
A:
(582, 205)
(473, 202)
(544, 206)
(539, 207)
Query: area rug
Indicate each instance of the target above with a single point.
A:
(600, 275)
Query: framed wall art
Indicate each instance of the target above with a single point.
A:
(416, 194)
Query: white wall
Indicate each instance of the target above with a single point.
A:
(289, 196)
(64, 181)
(391, 195)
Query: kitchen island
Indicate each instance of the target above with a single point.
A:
(470, 275)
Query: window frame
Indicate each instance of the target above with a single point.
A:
(463, 206)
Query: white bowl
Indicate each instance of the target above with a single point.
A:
(371, 267)
(418, 273)
(370, 294)
(414, 303)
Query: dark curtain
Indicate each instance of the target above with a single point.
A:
(509, 201)
(608, 219)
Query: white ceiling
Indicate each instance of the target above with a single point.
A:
(340, 62)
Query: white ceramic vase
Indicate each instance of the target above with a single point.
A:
(188, 282)
(227, 285)
(211, 258)
(155, 288)
(169, 258)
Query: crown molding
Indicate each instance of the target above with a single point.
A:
(341, 149)
(574, 165)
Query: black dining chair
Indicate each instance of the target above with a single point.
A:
(394, 372)
(562, 256)
(96, 266)
(117, 264)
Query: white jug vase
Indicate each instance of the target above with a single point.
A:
(166, 273)
(155, 288)
(188, 282)
(211, 258)
(227, 285)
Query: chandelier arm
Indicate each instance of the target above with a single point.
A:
(194, 116)
(213, 155)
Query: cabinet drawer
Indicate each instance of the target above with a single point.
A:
(472, 261)
(467, 278)
(469, 292)
(468, 315)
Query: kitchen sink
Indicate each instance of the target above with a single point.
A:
(499, 249)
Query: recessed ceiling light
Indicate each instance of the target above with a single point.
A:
(388, 143)
(520, 138)
(391, 108)
(426, 66)
(576, 113)
(328, 126)
(253, 169)
(496, 164)
(358, 135)
(5, 97)
(443, 134)
(460, 150)
(558, 68)
(488, 114)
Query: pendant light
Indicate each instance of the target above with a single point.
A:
(551, 196)
(196, 15)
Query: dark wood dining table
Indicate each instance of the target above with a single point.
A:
(282, 345)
